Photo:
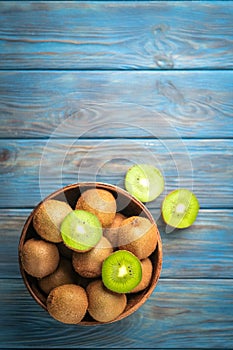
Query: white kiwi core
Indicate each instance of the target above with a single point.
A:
(180, 208)
(122, 271)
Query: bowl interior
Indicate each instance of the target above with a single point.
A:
(127, 205)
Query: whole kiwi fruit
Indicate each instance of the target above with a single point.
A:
(39, 258)
(89, 264)
(138, 235)
(111, 232)
(100, 203)
(67, 303)
(147, 269)
(48, 218)
(64, 274)
(104, 305)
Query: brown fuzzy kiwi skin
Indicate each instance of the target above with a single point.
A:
(104, 305)
(147, 269)
(100, 203)
(111, 232)
(67, 303)
(39, 258)
(64, 274)
(89, 264)
(138, 235)
(48, 218)
(64, 250)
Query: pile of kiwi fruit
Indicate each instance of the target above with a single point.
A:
(90, 258)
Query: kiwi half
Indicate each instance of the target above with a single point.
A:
(121, 271)
(180, 208)
(144, 181)
(81, 230)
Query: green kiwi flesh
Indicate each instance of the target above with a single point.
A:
(144, 181)
(81, 230)
(180, 208)
(121, 271)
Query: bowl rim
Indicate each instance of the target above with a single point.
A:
(103, 185)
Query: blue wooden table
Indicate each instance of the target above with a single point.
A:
(89, 88)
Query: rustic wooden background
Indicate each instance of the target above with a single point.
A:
(89, 88)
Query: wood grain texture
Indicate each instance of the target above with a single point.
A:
(204, 250)
(32, 169)
(173, 316)
(119, 35)
(116, 104)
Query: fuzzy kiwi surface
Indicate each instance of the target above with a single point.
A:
(67, 303)
(147, 269)
(111, 232)
(64, 274)
(89, 264)
(138, 235)
(39, 258)
(99, 202)
(48, 218)
(103, 304)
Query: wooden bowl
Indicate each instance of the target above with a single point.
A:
(127, 205)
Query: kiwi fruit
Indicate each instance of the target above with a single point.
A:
(81, 230)
(64, 250)
(103, 304)
(64, 274)
(67, 303)
(89, 264)
(147, 269)
(99, 202)
(144, 181)
(39, 258)
(180, 208)
(48, 218)
(111, 232)
(138, 235)
(121, 271)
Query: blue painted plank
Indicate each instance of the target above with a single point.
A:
(116, 35)
(115, 104)
(32, 169)
(204, 250)
(179, 314)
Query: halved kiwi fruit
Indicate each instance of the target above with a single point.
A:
(180, 208)
(121, 271)
(144, 181)
(81, 230)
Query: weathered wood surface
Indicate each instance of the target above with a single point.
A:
(179, 314)
(116, 35)
(32, 169)
(202, 251)
(89, 88)
(116, 104)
